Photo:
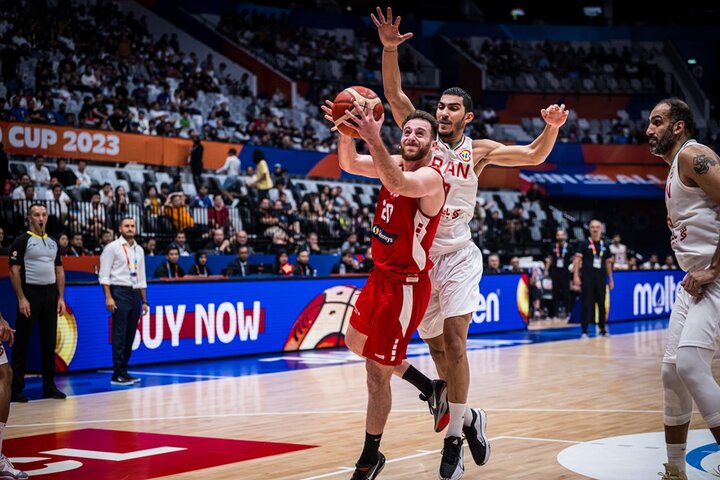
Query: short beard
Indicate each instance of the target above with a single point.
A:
(664, 144)
(421, 153)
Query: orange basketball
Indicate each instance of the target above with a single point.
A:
(344, 101)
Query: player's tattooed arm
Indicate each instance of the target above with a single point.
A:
(702, 163)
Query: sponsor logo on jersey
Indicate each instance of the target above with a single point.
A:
(383, 236)
(464, 155)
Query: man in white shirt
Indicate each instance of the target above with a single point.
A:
(232, 167)
(58, 202)
(122, 276)
(39, 173)
(83, 179)
(619, 253)
(19, 192)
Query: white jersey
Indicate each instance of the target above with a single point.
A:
(693, 218)
(458, 169)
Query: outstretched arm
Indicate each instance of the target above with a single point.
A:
(494, 153)
(391, 37)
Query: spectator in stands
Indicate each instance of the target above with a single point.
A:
(514, 266)
(619, 253)
(219, 214)
(177, 185)
(280, 242)
(266, 222)
(263, 180)
(302, 267)
(65, 176)
(517, 225)
(202, 199)
(196, 160)
(19, 192)
(120, 207)
(58, 203)
(347, 264)
(95, 216)
(200, 268)
(107, 195)
(219, 245)
(4, 244)
(279, 175)
(351, 243)
(76, 246)
(534, 194)
(164, 191)
(669, 263)
(153, 203)
(240, 239)
(178, 213)
(83, 180)
(63, 244)
(313, 244)
(39, 173)
(105, 237)
(282, 266)
(170, 267)
(493, 264)
(240, 267)
(232, 168)
(279, 212)
(149, 247)
(651, 264)
(181, 244)
(367, 263)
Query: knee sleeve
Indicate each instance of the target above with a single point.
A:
(694, 368)
(677, 399)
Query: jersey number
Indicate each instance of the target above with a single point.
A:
(387, 211)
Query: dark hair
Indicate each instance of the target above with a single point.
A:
(459, 92)
(170, 249)
(258, 155)
(680, 111)
(423, 115)
(36, 204)
(199, 254)
(125, 218)
(232, 151)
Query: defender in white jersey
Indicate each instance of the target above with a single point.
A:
(458, 262)
(692, 197)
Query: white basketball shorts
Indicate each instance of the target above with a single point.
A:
(455, 290)
(694, 322)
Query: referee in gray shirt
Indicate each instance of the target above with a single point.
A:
(122, 276)
(38, 279)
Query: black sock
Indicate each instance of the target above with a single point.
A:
(421, 382)
(370, 451)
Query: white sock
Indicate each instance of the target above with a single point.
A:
(468, 416)
(676, 455)
(2, 434)
(457, 413)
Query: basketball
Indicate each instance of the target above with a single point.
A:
(344, 101)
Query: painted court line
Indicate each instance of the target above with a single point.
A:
(314, 412)
(180, 375)
(423, 453)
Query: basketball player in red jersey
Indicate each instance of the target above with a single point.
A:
(394, 299)
(458, 262)
(692, 197)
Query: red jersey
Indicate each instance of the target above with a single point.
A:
(402, 236)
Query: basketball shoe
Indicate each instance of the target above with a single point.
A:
(672, 473)
(451, 465)
(369, 472)
(477, 437)
(438, 404)
(8, 472)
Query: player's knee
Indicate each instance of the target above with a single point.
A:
(455, 345)
(690, 369)
(378, 377)
(670, 378)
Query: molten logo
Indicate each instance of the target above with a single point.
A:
(655, 299)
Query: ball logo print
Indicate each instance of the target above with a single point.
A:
(365, 97)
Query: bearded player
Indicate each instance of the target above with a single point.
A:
(458, 262)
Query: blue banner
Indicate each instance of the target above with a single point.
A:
(212, 319)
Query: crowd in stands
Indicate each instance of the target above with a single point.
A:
(566, 67)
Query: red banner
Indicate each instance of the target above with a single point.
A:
(106, 146)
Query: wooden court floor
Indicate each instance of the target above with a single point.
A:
(540, 399)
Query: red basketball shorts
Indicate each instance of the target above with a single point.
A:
(388, 312)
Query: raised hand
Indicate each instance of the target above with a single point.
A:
(388, 31)
(554, 115)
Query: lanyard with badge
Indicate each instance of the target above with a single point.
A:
(597, 260)
(560, 258)
(133, 268)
